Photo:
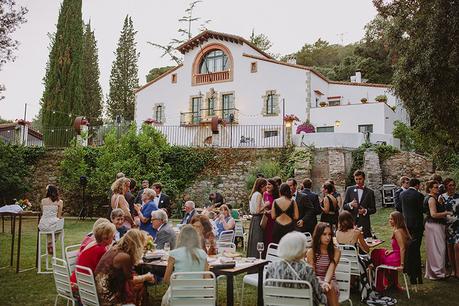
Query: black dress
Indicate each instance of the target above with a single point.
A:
(333, 212)
(280, 230)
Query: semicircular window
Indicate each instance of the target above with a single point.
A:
(214, 61)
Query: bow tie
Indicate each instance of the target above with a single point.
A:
(360, 187)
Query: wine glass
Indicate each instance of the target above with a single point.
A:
(260, 247)
(167, 247)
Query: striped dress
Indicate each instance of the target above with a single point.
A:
(321, 266)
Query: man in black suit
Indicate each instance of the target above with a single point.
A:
(189, 210)
(360, 202)
(404, 184)
(162, 199)
(306, 213)
(412, 200)
(314, 197)
(138, 198)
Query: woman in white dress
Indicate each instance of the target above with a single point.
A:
(51, 219)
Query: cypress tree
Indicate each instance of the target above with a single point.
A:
(63, 83)
(124, 75)
(92, 92)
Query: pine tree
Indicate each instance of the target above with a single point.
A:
(124, 75)
(62, 97)
(92, 92)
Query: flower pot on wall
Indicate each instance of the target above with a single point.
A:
(381, 98)
(364, 100)
(322, 104)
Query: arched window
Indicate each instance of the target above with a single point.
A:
(214, 61)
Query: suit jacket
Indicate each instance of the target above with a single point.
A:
(186, 220)
(138, 198)
(314, 197)
(367, 201)
(398, 204)
(165, 234)
(165, 203)
(306, 212)
(412, 201)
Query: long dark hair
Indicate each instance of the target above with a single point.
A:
(258, 185)
(275, 190)
(318, 231)
(285, 191)
(52, 193)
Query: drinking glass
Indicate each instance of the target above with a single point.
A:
(260, 247)
(167, 247)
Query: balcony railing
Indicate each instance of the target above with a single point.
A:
(212, 77)
(205, 116)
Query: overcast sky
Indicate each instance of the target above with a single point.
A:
(289, 24)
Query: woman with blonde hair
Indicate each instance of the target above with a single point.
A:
(188, 256)
(119, 188)
(116, 282)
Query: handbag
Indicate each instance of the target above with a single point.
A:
(264, 221)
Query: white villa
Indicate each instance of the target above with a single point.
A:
(226, 76)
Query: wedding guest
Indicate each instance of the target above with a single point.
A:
(162, 200)
(138, 198)
(394, 257)
(216, 199)
(116, 282)
(284, 213)
(278, 180)
(257, 208)
(120, 187)
(204, 228)
(117, 217)
(435, 227)
(104, 234)
(313, 197)
(348, 233)
(324, 257)
(412, 209)
(439, 180)
(336, 194)
(224, 221)
(189, 209)
(451, 200)
(51, 219)
(144, 211)
(90, 236)
(164, 232)
(187, 257)
(292, 251)
(360, 202)
(130, 198)
(330, 207)
(271, 194)
(306, 218)
(404, 185)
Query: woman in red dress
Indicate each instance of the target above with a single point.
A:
(271, 193)
(394, 257)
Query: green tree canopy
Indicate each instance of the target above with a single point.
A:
(156, 72)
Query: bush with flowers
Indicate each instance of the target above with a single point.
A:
(305, 127)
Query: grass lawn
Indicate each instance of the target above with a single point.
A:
(29, 288)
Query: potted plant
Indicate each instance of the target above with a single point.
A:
(322, 103)
(305, 127)
(364, 100)
(381, 98)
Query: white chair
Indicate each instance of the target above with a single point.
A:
(71, 255)
(53, 240)
(308, 239)
(252, 279)
(245, 242)
(225, 247)
(192, 289)
(86, 286)
(62, 280)
(387, 267)
(281, 292)
(350, 252)
(238, 229)
(226, 236)
(343, 278)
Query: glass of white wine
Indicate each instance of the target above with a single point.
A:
(260, 247)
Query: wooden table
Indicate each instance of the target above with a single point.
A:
(158, 267)
(13, 217)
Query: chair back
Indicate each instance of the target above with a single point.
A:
(238, 229)
(71, 255)
(287, 292)
(86, 286)
(350, 252)
(272, 252)
(225, 247)
(192, 289)
(308, 239)
(226, 236)
(62, 278)
(343, 278)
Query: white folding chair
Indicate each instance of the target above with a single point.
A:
(350, 252)
(281, 292)
(86, 286)
(238, 229)
(226, 236)
(62, 280)
(343, 278)
(71, 255)
(225, 247)
(252, 279)
(192, 289)
(387, 267)
(308, 239)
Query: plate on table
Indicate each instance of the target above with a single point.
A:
(156, 255)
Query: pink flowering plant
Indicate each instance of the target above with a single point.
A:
(306, 127)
